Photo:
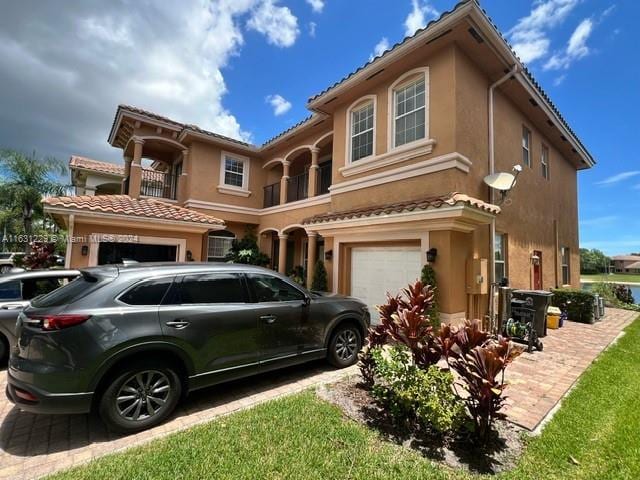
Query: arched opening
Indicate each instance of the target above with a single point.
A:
(272, 188)
(325, 161)
(295, 253)
(298, 183)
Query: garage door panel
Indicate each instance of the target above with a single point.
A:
(378, 270)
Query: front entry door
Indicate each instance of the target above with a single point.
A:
(537, 270)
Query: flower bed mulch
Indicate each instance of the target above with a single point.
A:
(500, 454)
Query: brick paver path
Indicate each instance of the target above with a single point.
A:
(35, 445)
(539, 380)
(32, 446)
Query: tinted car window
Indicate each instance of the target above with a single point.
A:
(32, 287)
(273, 289)
(147, 293)
(10, 290)
(212, 288)
(71, 292)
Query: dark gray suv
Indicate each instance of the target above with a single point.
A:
(132, 340)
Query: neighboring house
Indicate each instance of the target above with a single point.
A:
(368, 182)
(626, 263)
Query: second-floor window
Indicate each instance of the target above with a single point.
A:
(234, 171)
(362, 131)
(526, 146)
(544, 160)
(409, 112)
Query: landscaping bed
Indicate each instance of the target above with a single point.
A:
(500, 454)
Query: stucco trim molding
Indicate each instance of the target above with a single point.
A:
(454, 318)
(225, 189)
(436, 164)
(307, 202)
(397, 155)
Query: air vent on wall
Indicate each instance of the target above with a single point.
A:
(330, 100)
(375, 74)
(474, 33)
(533, 102)
(550, 123)
(564, 139)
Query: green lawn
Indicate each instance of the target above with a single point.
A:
(614, 277)
(303, 437)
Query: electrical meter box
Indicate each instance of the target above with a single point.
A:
(477, 280)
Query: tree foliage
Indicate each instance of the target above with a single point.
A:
(593, 261)
(320, 282)
(246, 250)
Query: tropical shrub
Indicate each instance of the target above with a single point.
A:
(623, 293)
(428, 277)
(297, 275)
(578, 303)
(413, 394)
(319, 281)
(42, 255)
(246, 250)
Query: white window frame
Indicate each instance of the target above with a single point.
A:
(503, 262)
(544, 161)
(526, 133)
(233, 189)
(566, 266)
(218, 237)
(357, 105)
(403, 81)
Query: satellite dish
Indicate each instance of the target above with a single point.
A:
(501, 181)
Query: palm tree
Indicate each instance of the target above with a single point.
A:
(24, 180)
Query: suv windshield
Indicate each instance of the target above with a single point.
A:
(71, 292)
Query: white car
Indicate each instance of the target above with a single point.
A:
(6, 261)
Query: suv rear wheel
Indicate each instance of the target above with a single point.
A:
(139, 397)
(344, 346)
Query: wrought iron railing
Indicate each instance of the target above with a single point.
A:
(297, 188)
(324, 178)
(158, 184)
(272, 195)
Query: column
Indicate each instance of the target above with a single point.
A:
(182, 195)
(313, 173)
(135, 178)
(282, 253)
(311, 256)
(284, 182)
(124, 189)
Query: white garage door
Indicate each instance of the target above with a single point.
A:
(378, 270)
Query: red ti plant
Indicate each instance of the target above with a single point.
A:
(480, 361)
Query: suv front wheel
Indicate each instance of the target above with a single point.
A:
(344, 345)
(139, 397)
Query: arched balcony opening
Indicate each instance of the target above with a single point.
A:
(298, 183)
(272, 194)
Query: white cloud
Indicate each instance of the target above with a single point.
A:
(576, 47)
(529, 36)
(316, 5)
(421, 12)
(90, 60)
(612, 180)
(278, 24)
(279, 103)
(380, 48)
(312, 29)
(559, 80)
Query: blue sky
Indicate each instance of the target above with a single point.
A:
(246, 68)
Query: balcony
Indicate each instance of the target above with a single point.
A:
(324, 178)
(158, 184)
(272, 195)
(297, 188)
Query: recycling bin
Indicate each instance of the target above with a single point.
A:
(539, 301)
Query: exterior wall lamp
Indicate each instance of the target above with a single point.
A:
(328, 255)
(84, 251)
(432, 253)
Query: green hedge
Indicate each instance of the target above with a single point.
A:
(581, 307)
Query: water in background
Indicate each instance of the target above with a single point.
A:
(635, 290)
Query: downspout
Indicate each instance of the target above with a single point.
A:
(492, 166)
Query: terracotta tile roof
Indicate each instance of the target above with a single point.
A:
(131, 207)
(633, 266)
(447, 200)
(95, 165)
(627, 258)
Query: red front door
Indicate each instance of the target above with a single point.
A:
(537, 270)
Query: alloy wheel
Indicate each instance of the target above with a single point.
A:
(143, 395)
(346, 344)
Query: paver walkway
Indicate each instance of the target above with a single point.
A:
(32, 446)
(539, 380)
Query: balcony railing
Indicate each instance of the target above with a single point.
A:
(272, 195)
(324, 178)
(158, 184)
(297, 188)
(125, 186)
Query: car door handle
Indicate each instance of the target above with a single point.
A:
(177, 323)
(12, 306)
(268, 318)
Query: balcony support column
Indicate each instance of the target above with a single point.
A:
(312, 248)
(284, 181)
(135, 176)
(313, 173)
(182, 194)
(282, 252)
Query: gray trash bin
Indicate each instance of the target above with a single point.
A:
(540, 300)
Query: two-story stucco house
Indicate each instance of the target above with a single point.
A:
(388, 167)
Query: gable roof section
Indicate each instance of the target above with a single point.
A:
(84, 163)
(448, 200)
(126, 206)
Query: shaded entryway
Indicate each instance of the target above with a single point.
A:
(116, 252)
